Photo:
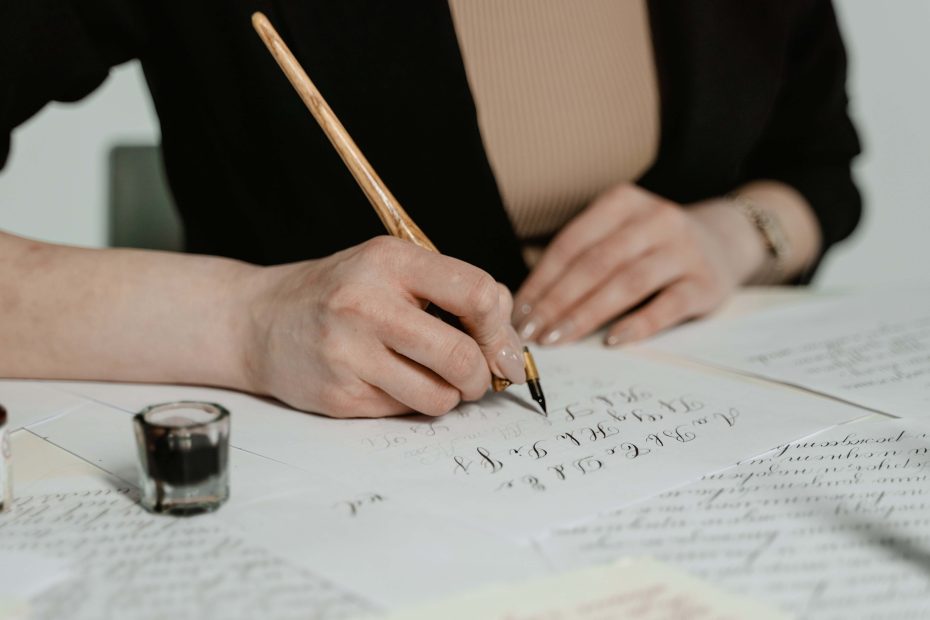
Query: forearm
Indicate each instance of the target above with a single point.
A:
(745, 244)
(122, 315)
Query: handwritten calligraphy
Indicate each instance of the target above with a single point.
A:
(870, 349)
(829, 527)
(629, 424)
(133, 564)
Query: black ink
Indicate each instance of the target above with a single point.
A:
(588, 464)
(729, 417)
(488, 462)
(461, 465)
(680, 434)
(633, 451)
(537, 452)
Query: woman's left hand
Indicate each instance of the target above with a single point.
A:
(633, 250)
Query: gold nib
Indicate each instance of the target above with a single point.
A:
(532, 379)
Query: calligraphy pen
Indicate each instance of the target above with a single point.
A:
(392, 215)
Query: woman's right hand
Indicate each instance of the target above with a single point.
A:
(348, 335)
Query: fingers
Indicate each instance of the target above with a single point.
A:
(505, 301)
(378, 404)
(589, 270)
(410, 384)
(358, 399)
(626, 288)
(516, 364)
(444, 350)
(605, 214)
(677, 303)
(473, 296)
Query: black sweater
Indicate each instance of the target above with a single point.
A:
(749, 90)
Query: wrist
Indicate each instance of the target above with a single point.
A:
(246, 303)
(744, 249)
(260, 293)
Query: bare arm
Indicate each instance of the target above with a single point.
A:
(125, 315)
(344, 335)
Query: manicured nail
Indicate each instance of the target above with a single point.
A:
(520, 312)
(561, 331)
(529, 329)
(621, 337)
(511, 364)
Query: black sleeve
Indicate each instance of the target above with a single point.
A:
(59, 50)
(810, 141)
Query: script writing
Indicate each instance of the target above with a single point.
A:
(873, 350)
(135, 565)
(619, 429)
(834, 526)
(358, 503)
(595, 433)
(886, 355)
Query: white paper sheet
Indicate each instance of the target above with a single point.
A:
(129, 564)
(638, 588)
(388, 549)
(24, 575)
(872, 349)
(28, 402)
(619, 429)
(834, 526)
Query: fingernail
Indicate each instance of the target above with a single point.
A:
(511, 364)
(521, 311)
(529, 329)
(561, 331)
(621, 337)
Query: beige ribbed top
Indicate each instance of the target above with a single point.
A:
(567, 100)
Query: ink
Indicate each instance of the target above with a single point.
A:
(184, 450)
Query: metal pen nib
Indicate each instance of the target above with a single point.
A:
(532, 379)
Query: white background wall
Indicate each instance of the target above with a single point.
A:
(54, 187)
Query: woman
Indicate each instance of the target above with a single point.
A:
(658, 154)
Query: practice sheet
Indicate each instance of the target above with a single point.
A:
(638, 588)
(830, 527)
(872, 349)
(128, 564)
(619, 429)
(339, 529)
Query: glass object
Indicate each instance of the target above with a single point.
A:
(183, 449)
(6, 477)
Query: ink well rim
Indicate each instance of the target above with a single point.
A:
(217, 411)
